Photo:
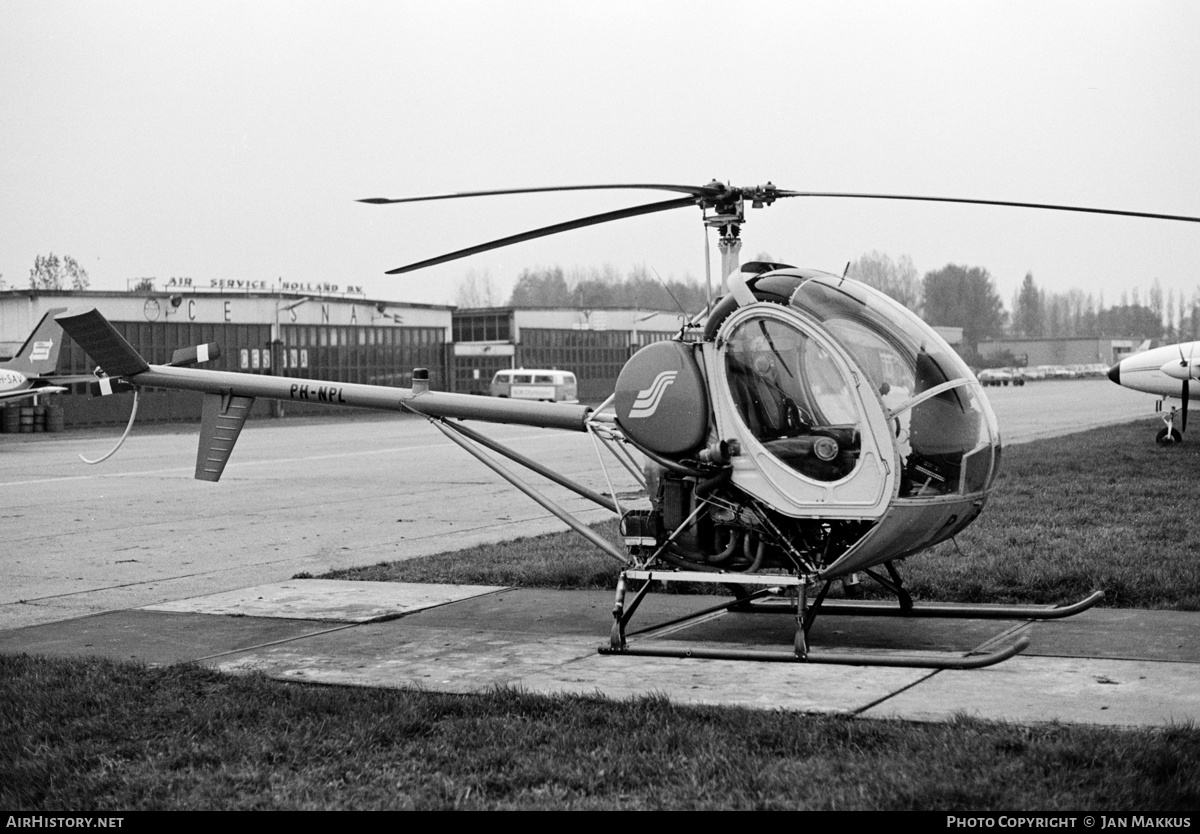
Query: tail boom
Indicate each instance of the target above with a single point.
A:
(377, 397)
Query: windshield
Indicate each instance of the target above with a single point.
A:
(945, 431)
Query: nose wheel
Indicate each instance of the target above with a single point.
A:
(1169, 435)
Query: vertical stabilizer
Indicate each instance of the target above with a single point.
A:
(39, 355)
(221, 422)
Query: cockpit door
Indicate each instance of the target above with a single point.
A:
(814, 437)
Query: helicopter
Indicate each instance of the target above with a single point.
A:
(802, 430)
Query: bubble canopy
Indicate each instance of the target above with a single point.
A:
(945, 431)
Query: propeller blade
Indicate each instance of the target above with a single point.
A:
(694, 190)
(1052, 207)
(633, 211)
(1183, 413)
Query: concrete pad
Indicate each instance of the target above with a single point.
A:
(1027, 690)
(327, 600)
(772, 686)
(153, 637)
(397, 655)
(1121, 633)
(548, 612)
(845, 632)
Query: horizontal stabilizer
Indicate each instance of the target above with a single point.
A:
(101, 341)
(221, 422)
(184, 357)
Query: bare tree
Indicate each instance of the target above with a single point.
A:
(50, 273)
(896, 278)
(476, 290)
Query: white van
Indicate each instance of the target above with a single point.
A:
(525, 384)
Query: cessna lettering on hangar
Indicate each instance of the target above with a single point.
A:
(801, 431)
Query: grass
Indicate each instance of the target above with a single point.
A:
(95, 735)
(1103, 509)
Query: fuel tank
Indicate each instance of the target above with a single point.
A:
(661, 401)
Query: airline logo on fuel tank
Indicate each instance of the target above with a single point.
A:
(648, 399)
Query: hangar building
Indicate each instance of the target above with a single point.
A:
(319, 331)
(293, 333)
(1069, 351)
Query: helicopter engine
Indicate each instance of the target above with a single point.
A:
(704, 523)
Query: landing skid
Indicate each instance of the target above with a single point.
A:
(798, 606)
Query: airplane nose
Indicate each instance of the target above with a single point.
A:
(1114, 373)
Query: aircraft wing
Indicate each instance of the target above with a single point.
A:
(8, 396)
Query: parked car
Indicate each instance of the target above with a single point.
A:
(545, 385)
(1001, 376)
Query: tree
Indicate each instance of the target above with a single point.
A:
(541, 288)
(592, 288)
(959, 296)
(1156, 299)
(1132, 321)
(1028, 311)
(476, 290)
(49, 273)
(896, 279)
(46, 273)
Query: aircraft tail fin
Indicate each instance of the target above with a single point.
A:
(39, 355)
(221, 422)
(101, 341)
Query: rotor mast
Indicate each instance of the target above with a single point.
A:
(729, 240)
(728, 206)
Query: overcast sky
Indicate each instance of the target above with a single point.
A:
(230, 140)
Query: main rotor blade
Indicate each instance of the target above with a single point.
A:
(634, 211)
(694, 190)
(1013, 204)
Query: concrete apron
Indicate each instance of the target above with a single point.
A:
(1105, 667)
